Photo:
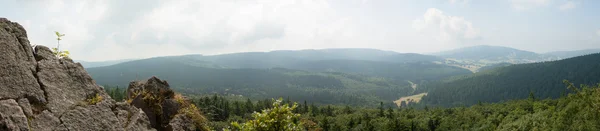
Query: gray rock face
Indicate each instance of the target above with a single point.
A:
(152, 86)
(26, 106)
(131, 118)
(65, 83)
(41, 92)
(158, 101)
(46, 121)
(12, 115)
(159, 92)
(17, 65)
(92, 117)
(181, 123)
(170, 108)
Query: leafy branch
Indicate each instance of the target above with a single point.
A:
(57, 52)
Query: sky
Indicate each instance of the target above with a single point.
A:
(98, 30)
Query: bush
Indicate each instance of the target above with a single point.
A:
(279, 118)
(94, 99)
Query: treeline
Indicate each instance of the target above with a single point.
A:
(116, 93)
(513, 82)
(577, 111)
(318, 87)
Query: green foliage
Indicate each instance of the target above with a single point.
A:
(116, 93)
(577, 111)
(60, 54)
(94, 99)
(278, 118)
(57, 52)
(191, 111)
(58, 35)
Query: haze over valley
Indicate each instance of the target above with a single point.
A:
(300, 65)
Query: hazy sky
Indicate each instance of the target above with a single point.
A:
(119, 29)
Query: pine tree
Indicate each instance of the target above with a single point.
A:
(249, 106)
(381, 114)
(305, 106)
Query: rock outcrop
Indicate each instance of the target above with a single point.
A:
(165, 109)
(41, 92)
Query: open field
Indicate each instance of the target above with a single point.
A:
(414, 98)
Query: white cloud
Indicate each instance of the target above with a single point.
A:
(114, 29)
(598, 32)
(446, 28)
(459, 1)
(528, 4)
(567, 6)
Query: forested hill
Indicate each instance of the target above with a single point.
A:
(515, 82)
(491, 53)
(284, 58)
(569, 54)
(322, 76)
(320, 88)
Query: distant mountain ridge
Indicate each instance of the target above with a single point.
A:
(489, 55)
(92, 64)
(356, 74)
(569, 54)
(492, 53)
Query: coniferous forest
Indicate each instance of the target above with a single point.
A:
(534, 96)
(575, 111)
(300, 65)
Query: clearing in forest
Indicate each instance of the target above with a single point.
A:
(414, 98)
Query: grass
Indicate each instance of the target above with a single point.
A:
(193, 112)
(190, 110)
(414, 98)
(94, 99)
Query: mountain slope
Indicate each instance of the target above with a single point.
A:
(286, 57)
(491, 53)
(323, 88)
(515, 82)
(569, 54)
(395, 71)
(90, 64)
(324, 76)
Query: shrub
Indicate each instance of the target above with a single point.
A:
(279, 118)
(94, 99)
(193, 112)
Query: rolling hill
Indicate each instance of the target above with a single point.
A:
(90, 64)
(322, 76)
(569, 54)
(285, 58)
(543, 79)
(322, 88)
(494, 54)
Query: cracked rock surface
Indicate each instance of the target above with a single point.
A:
(41, 92)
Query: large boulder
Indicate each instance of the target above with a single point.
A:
(132, 118)
(41, 92)
(17, 64)
(163, 107)
(92, 117)
(181, 123)
(12, 116)
(66, 83)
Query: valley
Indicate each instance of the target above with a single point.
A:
(300, 65)
(331, 76)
